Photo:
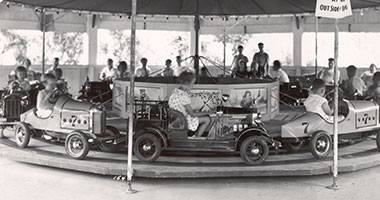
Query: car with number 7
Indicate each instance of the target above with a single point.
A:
(360, 119)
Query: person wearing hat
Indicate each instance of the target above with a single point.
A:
(260, 62)
(327, 74)
(237, 58)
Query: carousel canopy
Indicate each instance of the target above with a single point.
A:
(190, 7)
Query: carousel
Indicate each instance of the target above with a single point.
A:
(249, 135)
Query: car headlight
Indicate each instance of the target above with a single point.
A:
(24, 102)
(256, 117)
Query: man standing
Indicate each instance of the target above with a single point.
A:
(237, 58)
(327, 74)
(177, 69)
(55, 66)
(260, 62)
(108, 72)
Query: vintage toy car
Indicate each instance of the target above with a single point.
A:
(96, 91)
(361, 120)
(159, 128)
(78, 123)
(13, 103)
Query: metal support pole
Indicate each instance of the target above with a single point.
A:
(335, 139)
(197, 27)
(224, 51)
(43, 24)
(131, 96)
(316, 46)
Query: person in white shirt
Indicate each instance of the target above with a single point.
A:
(144, 70)
(327, 74)
(55, 66)
(316, 103)
(278, 73)
(108, 72)
(367, 75)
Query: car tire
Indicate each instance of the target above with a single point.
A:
(2, 133)
(147, 147)
(294, 146)
(254, 150)
(378, 140)
(76, 145)
(22, 134)
(106, 147)
(320, 144)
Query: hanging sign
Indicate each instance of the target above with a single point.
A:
(336, 9)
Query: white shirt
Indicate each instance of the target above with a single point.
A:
(281, 76)
(109, 73)
(327, 75)
(314, 104)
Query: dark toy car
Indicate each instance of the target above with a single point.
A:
(96, 91)
(159, 128)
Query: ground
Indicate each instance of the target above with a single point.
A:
(19, 181)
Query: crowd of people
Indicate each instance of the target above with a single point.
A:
(143, 70)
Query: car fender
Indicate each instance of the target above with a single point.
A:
(253, 131)
(154, 130)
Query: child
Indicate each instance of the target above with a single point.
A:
(316, 103)
(44, 107)
(180, 100)
(374, 90)
(168, 71)
(353, 84)
(278, 73)
(20, 79)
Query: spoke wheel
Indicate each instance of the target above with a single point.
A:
(147, 147)
(108, 146)
(254, 150)
(320, 144)
(76, 145)
(22, 134)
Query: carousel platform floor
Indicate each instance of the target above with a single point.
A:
(360, 155)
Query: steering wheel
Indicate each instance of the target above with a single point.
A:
(55, 96)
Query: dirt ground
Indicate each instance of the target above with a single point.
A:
(20, 181)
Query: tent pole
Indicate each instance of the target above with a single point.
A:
(196, 28)
(131, 96)
(224, 52)
(43, 39)
(316, 46)
(335, 139)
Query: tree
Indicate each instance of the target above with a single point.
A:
(14, 42)
(120, 45)
(69, 45)
(234, 39)
(181, 45)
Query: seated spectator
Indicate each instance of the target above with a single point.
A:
(241, 71)
(368, 75)
(122, 70)
(168, 71)
(61, 82)
(204, 72)
(353, 84)
(44, 107)
(278, 73)
(317, 103)
(374, 90)
(20, 79)
(108, 73)
(144, 70)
